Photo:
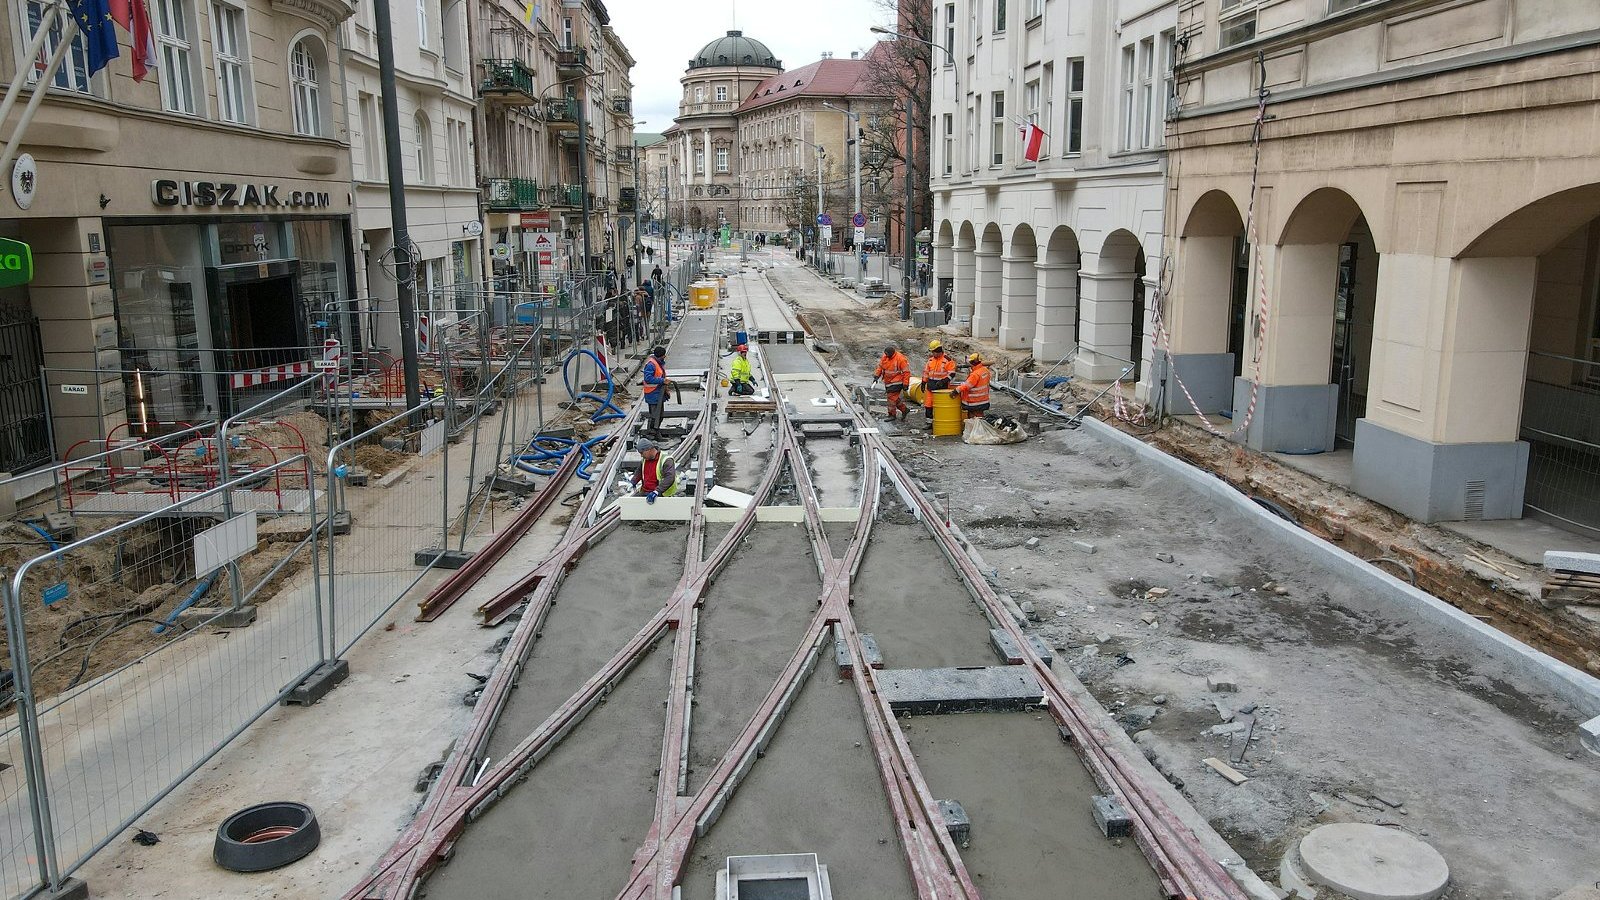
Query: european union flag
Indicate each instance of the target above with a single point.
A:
(99, 33)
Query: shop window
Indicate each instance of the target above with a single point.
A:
(175, 55)
(73, 74)
(307, 62)
(231, 62)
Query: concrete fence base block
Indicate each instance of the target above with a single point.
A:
(325, 678)
(70, 889)
(1572, 561)
(1589, 735)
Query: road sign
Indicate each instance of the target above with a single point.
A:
(824, 219)
(543, 242)
(861, 235)
(539, 219)
(859, 220)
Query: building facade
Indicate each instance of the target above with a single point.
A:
(183, 228)
(1058, 255)
(1417, 283)
(436, 101)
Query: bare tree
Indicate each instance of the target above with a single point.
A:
(899, 69)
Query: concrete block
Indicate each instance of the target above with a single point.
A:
(1589, 734)
(513, 484)
(219, 616)
(1083, 546)
(441, 558)
(870, 650)
(956, 822)
(1113, 820)
(342, 523)
(317, 685)
(966, 689)
(839, 513)
(842, 658)
(1572, 561)
(665, 509)
(1222, 683)
(780, 514)
(70, 889)
(1005, 646)
(1042, 649)
(730, 497)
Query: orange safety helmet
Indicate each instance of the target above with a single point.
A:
(743, 348)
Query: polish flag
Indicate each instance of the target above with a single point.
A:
(1032, 141)
(134, 18)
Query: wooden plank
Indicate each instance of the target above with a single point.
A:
(1225, 770)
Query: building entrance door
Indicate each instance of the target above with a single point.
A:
(264, 327)
(1352, 405)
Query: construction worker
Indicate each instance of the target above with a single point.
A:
(657, 475)
(895, 372)
(975, 390)
(655, 389)
(935, 376)
(741, 381)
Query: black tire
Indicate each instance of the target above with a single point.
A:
(266, 836)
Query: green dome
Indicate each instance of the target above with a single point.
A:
(734, 49)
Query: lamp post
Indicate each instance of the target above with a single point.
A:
(910, 235)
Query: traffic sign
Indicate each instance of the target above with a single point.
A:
(860, 235)
(824, 219)
(859, 220)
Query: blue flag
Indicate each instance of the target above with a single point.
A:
(99, 33)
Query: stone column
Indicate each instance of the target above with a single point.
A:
(1018, 299)
(1106, 332)
(1198, 325)
(77, 327)
(965, 272)
(944, 267)
(986, 294)
(1056, 312)
(1296, 405)
(705, 137)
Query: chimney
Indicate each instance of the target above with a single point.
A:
(855, 54)
(827, 54)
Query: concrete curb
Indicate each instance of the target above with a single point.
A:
(1571, 685)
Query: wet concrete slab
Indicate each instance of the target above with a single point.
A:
(570, 830)
(753, 619)
(604, 602)
(815, 791)
(910, 598)
(1028, 798)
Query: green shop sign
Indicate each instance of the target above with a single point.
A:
(16, 263)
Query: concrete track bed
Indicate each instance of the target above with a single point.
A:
(603, 603)
(752, 620)
(908, 597)
(570, 830)
(1027, 796)
(816, 791)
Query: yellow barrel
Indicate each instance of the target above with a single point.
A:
(914, 392)
(703, 295)
(946, 414)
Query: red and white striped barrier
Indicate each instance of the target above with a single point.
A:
(270, 374)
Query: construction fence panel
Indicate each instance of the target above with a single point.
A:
(21, 837)
(137, 668)
(1561, 423)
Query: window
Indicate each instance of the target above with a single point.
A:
(566, 33)
(722, 92)
(949, 143)
(174, 49)
(1169, 86)
(305, 85)
(997, 128)
(422, 24)
(1035, 9)
(972, 133)
(700, 161)
(452, 153)
(972, 26)
(949, 34)
(371, 137)
(1238, 22)
(73, 75)
(452, 33)
(1031, 95)
(1128, 74)
(227, 48)
(1147, 90)
(699, 93)
(1047, 113)
(1074, 129)
(424, 150)
(1000, 15)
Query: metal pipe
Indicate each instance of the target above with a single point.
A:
(403, 263)
(40, 89)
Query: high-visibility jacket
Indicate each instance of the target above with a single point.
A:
(894, 370)
(740, 370)
(975, 389)
(936, 377)
(655, 377)
(659, 475)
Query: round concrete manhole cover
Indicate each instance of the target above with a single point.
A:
(1370, 862)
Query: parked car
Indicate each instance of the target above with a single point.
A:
(873, 245)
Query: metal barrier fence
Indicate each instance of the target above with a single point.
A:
(118, 705)
(1561, 423)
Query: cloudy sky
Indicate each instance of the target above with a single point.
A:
(663, 34)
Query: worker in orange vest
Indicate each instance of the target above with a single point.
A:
(975, 390)
(655, 390)
(895, 372)
(935, 376)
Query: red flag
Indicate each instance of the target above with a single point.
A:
(1032, 141)
(134, 17)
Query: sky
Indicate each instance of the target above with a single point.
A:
(663, 34)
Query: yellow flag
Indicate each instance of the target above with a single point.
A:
(531, 13)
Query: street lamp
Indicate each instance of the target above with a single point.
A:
(910, 235)
(855, 142)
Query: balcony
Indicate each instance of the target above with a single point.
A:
(511, 194)
(573, 61)
(508, 81)
(560, 114)
(564, 196)
(622, 105)
(623, 156)
(627, 200)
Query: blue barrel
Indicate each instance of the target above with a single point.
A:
(740, 337)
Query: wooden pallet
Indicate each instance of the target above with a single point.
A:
(1572, 587)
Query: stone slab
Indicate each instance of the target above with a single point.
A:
(1572, 561)
(665, 509)
(962, 689)
(1371, 862)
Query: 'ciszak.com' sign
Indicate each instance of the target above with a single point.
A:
(16, 263)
